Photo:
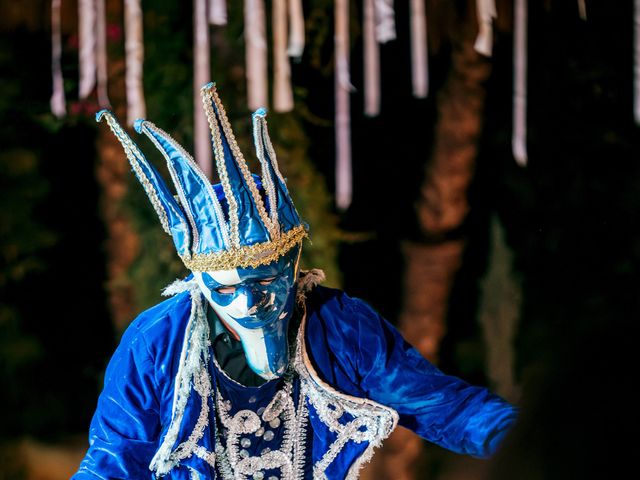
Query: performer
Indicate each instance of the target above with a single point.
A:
(251, 370)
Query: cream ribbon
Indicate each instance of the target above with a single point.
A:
(87, 46)
(519, 135)
(282, 93)
(582, 9)
(296, 29)
(101, 54)
(57, 102)
(201, 76)
(486, 12)
(218, 12)
(342, 109)
(636, 62)
(419, 48)
(256, 53)
(371, 62)
(134, 52)
(385, 20)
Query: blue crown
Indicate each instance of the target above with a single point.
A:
(244, 221)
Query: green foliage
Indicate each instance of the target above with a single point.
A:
(22, 240)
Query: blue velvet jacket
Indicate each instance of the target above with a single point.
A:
(356, 378)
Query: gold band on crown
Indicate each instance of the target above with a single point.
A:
(250, 256)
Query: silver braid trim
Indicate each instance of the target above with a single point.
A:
(192, 370)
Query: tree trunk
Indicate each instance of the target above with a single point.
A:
(432, 262)
(112, 172)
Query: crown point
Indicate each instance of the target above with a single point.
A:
(137, 125)
(261, 112)
(209, 86)
(101, 113)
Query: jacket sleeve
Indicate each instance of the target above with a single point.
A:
(125, 427)
(440, 408)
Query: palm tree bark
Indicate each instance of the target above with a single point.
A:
(112, 172)
(431, 262)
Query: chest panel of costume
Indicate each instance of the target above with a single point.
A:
(296, 428)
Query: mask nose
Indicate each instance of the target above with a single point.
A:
(255, 298)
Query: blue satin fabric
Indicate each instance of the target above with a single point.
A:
(352, 348)
(152, 181)
(195, 195)
(287, 214)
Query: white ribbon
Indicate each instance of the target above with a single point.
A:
(385, 21)
(57, 102)
(201, 76)
(218, 12)
(255, 53)
(636, 63)
(371, 62)
(101, 54)
(419, 46)
(282, 93)
(134, 52)
(296, 29)
(342, 110)
(486, 12)
(519, 136)
(87, 46)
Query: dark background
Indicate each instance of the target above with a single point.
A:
(570, 217)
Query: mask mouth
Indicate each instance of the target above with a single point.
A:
(254, 322)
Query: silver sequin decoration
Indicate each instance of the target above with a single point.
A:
(275, 423)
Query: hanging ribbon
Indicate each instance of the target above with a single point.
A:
(134, 52)
(87, 46)
(57, 102)
(282, 93)
(419, 55)
(101, 54)
(217, 12)
(201, 76)
(256, 53)
(486, 12)
(519, 138)
(296, 29)
(582, 9)
(385, 21)
(636, 63)
(371, 62)
(342, 111)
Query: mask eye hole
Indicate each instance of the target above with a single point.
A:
(226, 290)
(266, 281)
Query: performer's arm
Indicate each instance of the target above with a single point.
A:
(125, 427)
(442, 409)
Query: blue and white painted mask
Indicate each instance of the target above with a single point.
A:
(256, 305)
(240, 238)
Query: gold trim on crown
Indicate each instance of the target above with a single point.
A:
(249, 256)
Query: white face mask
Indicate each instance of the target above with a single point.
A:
(256, 304)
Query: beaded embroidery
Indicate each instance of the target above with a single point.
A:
(289, 458)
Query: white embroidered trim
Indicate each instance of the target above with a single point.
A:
(192, 370)
(372, 422)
